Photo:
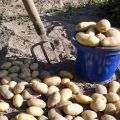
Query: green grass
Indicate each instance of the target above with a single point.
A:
(99, 2)
(23, 17)
(4, 18)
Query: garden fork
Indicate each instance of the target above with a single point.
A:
(34, 15)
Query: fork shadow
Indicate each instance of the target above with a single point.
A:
(49, 66)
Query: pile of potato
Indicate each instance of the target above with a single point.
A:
(97, 34)
(56, 97)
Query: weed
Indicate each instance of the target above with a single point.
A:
(4, 18)
(99, 2)
(23, 17)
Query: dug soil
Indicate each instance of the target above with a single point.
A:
(18, 40)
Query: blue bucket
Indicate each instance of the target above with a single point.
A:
(98, 64)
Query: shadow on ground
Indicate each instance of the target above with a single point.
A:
(53, 69)
(70, 18)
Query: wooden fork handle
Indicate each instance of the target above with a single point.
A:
(34, 15)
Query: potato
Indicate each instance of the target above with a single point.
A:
(66, 94)
(42, 117)
(107, 117)
(84, 26)
(24, 70)
(3, 118)
(40, 87)
(28, 79)
(69, 117)
(5, 92)
(110, 109)
(35, 80)
(52, 81)
(5, 80)
(91, 31)
(83, 99)
(73, 87)
(103, 25)
(73, 109)
(100, 89)
(12, 84)
(112, 32)
(17, 62)
(4, 107)
(64, 81)
(82, 38)
(110, 42)
(27, 61)
(61, 104)
(35, 74)
(6, 65)
(14, 69)
(44, 74)
(65, 74)
(35, 111)
(117, 105)
(16, 79)
(51, 90)
(87, 40)
(24, 75)
(98, 105)
(89, 114)
(24, 116)
(24, 66)
(3, 73)
(100, 96)
(18, 88)
(36, 102)
(17, 101)
(26, 94)
(112, 97)
(101, 36)
(54, 114)
(23, 83)
(78, 118)
(114, 86)
(34, 66)
(93, 41)
(53, 99)
(13, 75)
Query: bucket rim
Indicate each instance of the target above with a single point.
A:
(73, 40)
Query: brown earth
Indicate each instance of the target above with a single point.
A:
(18, 38)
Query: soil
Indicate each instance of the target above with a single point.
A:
(18, 38)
